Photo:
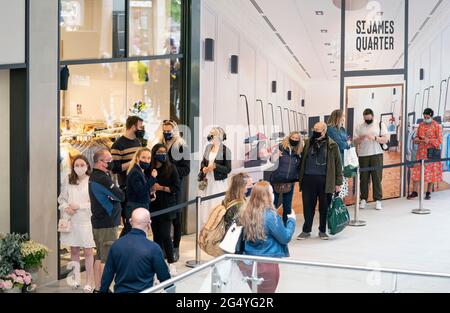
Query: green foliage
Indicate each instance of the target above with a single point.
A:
(175, 10)
(10, 253)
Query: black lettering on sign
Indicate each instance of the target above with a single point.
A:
(375, 35)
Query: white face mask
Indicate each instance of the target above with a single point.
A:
(80, 171)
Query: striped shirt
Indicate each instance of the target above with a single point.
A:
(122, 152)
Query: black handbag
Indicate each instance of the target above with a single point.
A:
(434, 154)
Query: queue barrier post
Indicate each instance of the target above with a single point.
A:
(356, 222)
(421, 210)
(197, 261)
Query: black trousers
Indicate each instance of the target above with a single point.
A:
(177, 221)
(161, 226)
(313, 189)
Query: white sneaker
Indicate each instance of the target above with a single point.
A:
(172, 270)
(362, 204)
(378, 206)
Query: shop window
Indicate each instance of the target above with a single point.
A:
(92, 29)
(155, 27)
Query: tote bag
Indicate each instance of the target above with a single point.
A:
(351, 162)
(232, 239)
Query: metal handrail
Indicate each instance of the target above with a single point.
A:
(415, 101)
(440, 96)
(263, 118)
(173, 281)
(248, 114)
(446, 94)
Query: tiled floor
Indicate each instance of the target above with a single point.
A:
(393, 238)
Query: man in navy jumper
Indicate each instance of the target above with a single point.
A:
(133, 260)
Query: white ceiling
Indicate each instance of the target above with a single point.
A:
(319, 53)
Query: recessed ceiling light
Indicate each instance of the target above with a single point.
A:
(367, 61)
(327, 44)
(331, 62)
(319, 12)
(380, 13)
(334, 70)
(324, 31)
(330, 54)
(369, 53)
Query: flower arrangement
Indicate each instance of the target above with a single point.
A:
(10, 253)
(33, 254)
(17, 279)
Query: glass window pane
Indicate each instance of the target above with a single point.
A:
(92, 29)
(155, 27)
(149, 95)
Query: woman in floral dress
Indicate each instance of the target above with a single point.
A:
(429, 135)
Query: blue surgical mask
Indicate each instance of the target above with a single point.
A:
(162, 158)
(168, 136)
(144, 165)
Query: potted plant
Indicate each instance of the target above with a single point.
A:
(33, 254)
(18, 281)
(10, 253)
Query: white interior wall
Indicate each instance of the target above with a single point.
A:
(430, 51)
(13, 36)
(261, 60)
(4, 153)
(322, 98)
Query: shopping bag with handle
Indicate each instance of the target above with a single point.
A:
(351, 162)
(338, 216)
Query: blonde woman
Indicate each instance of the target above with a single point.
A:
(286, 174)
(139, 184)
(235, 198)
(337, 132)
(265, 234)
(215, 167)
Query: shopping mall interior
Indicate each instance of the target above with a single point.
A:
(72, 71)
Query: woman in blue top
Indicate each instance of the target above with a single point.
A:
(337, 132)
(139, 184)
(265, 235)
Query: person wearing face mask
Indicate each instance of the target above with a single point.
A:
(139, 184)
(370, 136)
(106, 208)
(75, 205)
(134, 274)
(320, 176)
(428, 137)
(166, 189)
(214, 169)
(285, 176)
(122, 152)
(337, 132)
(178, 153)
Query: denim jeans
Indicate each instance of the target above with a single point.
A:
(286, 201)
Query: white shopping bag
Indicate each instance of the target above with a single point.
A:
(351, 158)
(231, 279)
(231, 240)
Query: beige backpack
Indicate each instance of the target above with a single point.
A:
(214, 230)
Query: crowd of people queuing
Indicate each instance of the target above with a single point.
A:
(154, 178)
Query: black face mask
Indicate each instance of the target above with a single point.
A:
(248, 192)
(140, 133)
(110, 166)
(209, 138)
(294, 143)
(369, 122)
(316, 135)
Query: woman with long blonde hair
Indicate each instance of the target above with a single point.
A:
(139, 184)
(235, 197)
(265, 234)
(286, 173)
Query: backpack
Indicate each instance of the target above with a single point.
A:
(213, 231)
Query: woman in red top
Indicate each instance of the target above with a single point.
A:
(429, 135)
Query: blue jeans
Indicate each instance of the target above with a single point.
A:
(287, 203)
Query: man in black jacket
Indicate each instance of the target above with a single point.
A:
(105, 199)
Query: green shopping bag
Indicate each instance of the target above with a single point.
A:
(338, 216)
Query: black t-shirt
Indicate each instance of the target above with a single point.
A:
(122, 152)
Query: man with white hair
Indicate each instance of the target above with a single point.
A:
(133, 260)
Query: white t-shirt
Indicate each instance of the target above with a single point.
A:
(370, 147)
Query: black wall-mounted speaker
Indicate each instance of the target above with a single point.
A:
(373, 95)
(303, 103)
(209, 49)
(422, 74)
(395, 91)
(289, 95)
(234, 64)
(274, 86)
